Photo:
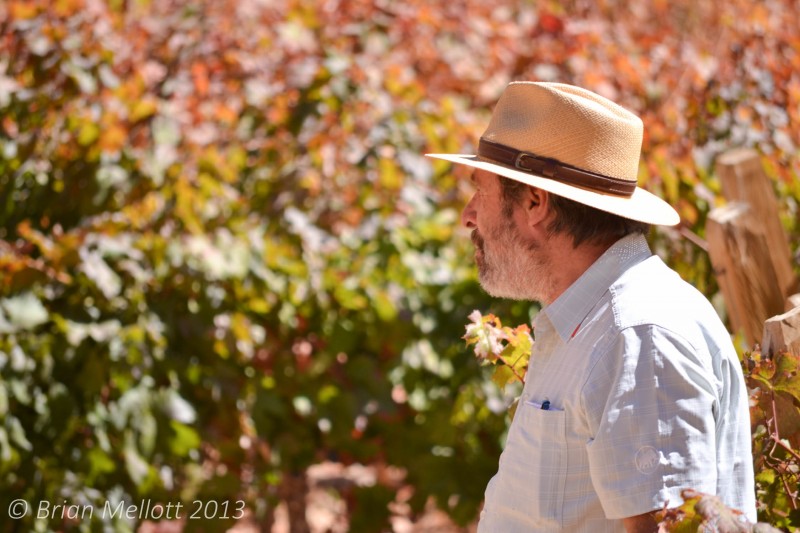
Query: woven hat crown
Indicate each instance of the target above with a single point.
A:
(569, 124)
(569, 142)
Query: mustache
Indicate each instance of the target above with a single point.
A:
(477, 239)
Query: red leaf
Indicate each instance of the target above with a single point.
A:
(550, 23)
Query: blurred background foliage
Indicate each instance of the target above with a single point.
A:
(224, 258)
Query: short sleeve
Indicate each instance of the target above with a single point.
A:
(651, 404)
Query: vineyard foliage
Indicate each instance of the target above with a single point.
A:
(224, 258)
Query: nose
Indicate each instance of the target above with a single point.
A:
(469, 214)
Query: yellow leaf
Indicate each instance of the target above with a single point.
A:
(390, 175)
(66, 8)
(240, 327)
(259, 305)
(141, 213)
(142, 109)
(221, 348)
(186, 204)
(88, 133)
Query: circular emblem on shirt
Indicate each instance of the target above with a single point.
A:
(646, 459)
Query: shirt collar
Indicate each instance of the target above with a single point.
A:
(568, 310)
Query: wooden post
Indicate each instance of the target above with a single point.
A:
(739, 250)
(782, 332)
(748, 245)
(743, 180)
(792, 302)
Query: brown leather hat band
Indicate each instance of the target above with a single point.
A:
(553, 169)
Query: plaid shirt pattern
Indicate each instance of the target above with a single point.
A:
(645, 395)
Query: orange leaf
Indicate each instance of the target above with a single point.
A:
(225, 114)
(113, 138)
(200, 77)
(23, 10)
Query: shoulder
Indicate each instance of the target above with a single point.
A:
(651, 294)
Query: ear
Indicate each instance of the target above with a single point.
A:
(537, 207)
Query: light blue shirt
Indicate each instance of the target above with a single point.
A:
(646, 398)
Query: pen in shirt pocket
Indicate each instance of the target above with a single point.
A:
(546, 405)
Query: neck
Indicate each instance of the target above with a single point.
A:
(568, 263)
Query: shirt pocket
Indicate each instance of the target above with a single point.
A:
(533, 467)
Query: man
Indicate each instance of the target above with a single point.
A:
(634, 391)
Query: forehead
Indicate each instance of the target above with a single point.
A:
(483, 177)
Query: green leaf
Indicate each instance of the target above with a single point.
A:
(140, 471)
(99, 463)
(384, 306)
(766, 477)
(787, 374)
(794, 518)
(17, 433)
(350, 299)
(184, 439)
(22, 312)
(177, 408)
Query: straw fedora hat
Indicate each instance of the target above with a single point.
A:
(571, 142)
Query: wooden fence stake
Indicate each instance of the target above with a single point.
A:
(782, 332)
(743, 180)
(739, 252)
(748, 245)
(792, 302)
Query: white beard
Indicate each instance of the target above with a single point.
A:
(511, 268)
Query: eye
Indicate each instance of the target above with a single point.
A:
(475, 183)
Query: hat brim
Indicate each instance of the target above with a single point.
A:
(641, 205)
